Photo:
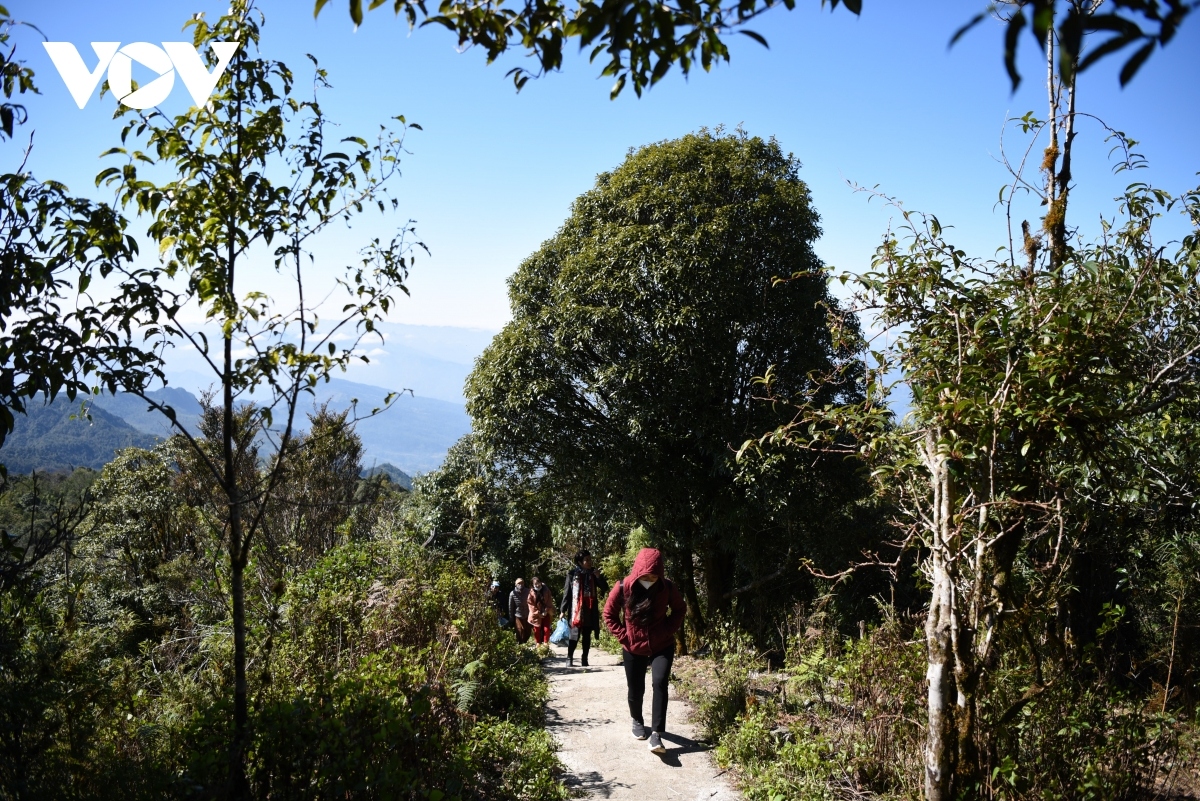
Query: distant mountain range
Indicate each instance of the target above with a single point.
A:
(431, 361)
(413, 434)
(59, 437)
(410, 437)
(134, 411)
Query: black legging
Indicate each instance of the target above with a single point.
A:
(587, 645)
(660, 672)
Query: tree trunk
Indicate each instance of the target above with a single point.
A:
(719, 569)
(237, 776)
(966, 752)
(941, 747)
(695, 615)
(238, 786)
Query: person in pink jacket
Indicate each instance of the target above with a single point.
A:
(643, 611)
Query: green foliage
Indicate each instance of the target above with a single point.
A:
(15, 77)
(370, 731)
(837, 719)
(616, 566)
(1087, 741)
(67, 697)
(223, 205)
(62, 435)
(513, 762)
(472, 507)
(719, 709)
(1145, 25)
(38, 515)
(252, 173)
(624, 382)
(643, 41)
(54, 337)
(1033, 460)
(358, 691)
(387, 625)
(316, 494)
(843, 716)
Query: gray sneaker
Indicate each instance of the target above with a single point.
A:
(639, 730)
(656, 746)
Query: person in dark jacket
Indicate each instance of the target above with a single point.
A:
(644, 611)
(518, 610)
(497, 600)
(580, 606)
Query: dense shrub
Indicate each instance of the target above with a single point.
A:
(839, 717)
(378, 673)
(844, 718)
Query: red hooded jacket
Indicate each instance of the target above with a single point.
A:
(664, 598)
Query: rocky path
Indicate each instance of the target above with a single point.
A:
(589, 717)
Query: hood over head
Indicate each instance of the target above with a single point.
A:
(649, 560)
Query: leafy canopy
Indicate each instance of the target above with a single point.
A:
(641, 41)
(626, 376)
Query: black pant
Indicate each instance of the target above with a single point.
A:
(587, 644)
(660, 672)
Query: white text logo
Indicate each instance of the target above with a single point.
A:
(167, 60)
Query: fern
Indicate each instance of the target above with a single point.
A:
(467, 688)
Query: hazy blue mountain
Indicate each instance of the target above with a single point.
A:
(48, 439)
(410, 437)
(394, 474)
(414, 434)
(137, 413)
(431, 361)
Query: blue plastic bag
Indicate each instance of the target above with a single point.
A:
(562, 632)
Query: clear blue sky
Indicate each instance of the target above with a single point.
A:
(875, 100)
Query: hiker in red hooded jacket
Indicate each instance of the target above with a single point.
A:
(644, 610)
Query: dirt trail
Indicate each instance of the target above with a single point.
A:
(589, 717)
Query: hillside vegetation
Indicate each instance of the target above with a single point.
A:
(990, 593)
(58, 436)
(379, 668)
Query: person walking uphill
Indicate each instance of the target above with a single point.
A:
(541, 610)
(643, 611)
(581, 606)
(518, 611)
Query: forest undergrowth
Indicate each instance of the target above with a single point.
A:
(841, 717)
(378, 670)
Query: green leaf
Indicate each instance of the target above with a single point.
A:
(975, 20)
(617, 87)
(1011, 34)
(758, 37)
(1136, 61)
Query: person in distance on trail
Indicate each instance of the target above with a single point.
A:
(541, 610)
(581, 606)
(497, 601)
(643, 611)
(518, 610)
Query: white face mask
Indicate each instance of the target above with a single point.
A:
(647, 583)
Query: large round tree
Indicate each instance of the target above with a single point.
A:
(626, 377)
